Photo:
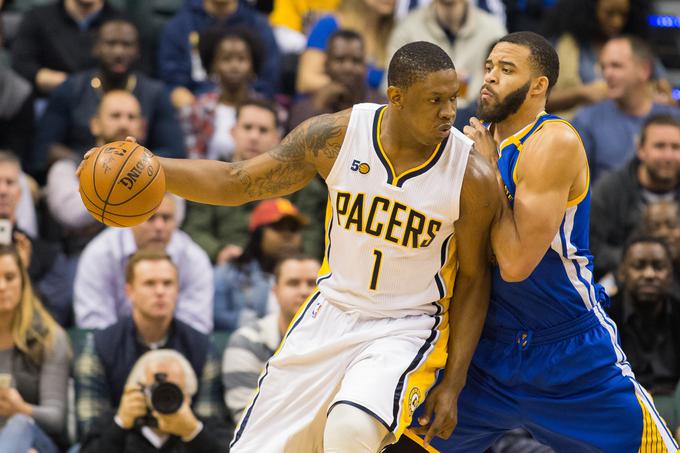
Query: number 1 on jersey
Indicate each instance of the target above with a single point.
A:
(376, 269)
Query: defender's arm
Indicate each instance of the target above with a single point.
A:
(310, 148)
(479, 206)
(548, 166)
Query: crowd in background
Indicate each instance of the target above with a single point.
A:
(201, 295)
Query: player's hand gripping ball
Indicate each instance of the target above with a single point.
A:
(122, 184)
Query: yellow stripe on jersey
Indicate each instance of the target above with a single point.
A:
(395, 177)
(448, 272)
(419, 441)
(325, 269)
(422, 378)
(651, 441)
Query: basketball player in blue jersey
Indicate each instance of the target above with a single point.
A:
(548, 359)
(410, 209)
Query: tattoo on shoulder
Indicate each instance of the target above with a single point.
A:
(320, 134)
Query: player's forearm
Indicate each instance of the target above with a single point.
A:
(466, 320)
(204, 181)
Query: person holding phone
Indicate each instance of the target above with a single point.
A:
(35, 359)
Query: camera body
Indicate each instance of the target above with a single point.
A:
(162, 396)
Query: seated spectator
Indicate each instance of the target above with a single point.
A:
(242, 287)
(291, 21)
(345, 66)
(579, 30)
(619, 198)
(608, 127)
(459, 27)
(56, 40)
(178, 55)
(371, 19)
(222, 231)
(110, 401)
(252, 345)
(647, 314)
(99, 290)
(661, 220)
(233, 57)
(71, 106)
(39, 255)
(35, 360)
(16, 109)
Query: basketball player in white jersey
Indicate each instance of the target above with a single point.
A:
(410, 207)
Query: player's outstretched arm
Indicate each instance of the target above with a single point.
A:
(471, 292)
(309, 149)
(549, 165)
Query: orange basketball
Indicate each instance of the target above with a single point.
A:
(122, 184)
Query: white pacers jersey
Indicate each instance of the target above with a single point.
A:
(390, 249)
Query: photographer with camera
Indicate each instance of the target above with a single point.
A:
(129, 405)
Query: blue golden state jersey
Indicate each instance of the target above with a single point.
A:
(390, 248)
(562, 286)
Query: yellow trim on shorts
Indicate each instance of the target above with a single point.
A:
(418, 440)
(421, 380)
(651, 440)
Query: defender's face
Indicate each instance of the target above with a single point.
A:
(507, 78)
(430, 107)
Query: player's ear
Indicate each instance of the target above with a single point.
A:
(539, 87)
(396, 96)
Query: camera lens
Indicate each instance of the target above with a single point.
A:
(166, 397)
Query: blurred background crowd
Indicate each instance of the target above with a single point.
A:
(200, 295)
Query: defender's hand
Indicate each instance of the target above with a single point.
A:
(132, 406)
(182, 423)
(484, 142)
(441, 413)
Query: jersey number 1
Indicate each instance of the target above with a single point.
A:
(376, 269)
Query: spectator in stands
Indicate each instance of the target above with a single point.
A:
(291, 21)
(233, 57)
(178, 59)
(56, 40)
(372, 19)
(252, 345)
(35, 360)
(647, 314)
(619, 198)
(242, 286)
(109, 398)
(66, 120)
(222, 231)
(608, 128)
(345, 66)
(662, 220)
(459, 27)
(579, 30)
(99, 290)
(16, 107)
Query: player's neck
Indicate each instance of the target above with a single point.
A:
(515, 122)
(400, 146)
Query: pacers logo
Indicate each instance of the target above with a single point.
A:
(414, 399)
(361, 167)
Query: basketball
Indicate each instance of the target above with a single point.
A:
(122, 184)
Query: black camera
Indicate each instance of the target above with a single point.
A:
(162, 396)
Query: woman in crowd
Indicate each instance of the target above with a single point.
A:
(242, 287)
(233, 58)
(372, 19)
(35, 359)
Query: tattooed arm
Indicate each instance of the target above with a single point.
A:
(310, 148)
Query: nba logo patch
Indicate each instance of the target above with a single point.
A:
(316, 309)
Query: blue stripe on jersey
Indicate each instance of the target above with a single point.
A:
(561, 287)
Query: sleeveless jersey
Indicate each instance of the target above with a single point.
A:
(390, 249)
(562, 286)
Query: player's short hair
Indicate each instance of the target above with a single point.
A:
(664, 119)
(291, 257)
(263, 104)
(414, 61)
(144, 255)
(543, 59)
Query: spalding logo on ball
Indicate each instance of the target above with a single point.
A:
(122, 184)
